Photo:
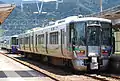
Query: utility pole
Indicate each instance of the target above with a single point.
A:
(57, 3)
(101, 6)
(41, 7)
(21, 6)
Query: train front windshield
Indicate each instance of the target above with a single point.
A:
(106, 34)
(14, 41)
(99, 35)
(93, 37)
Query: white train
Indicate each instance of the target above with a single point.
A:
(9, 43)
(85, 43)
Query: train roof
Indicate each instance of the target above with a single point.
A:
(73, 19)
(77, 18)
(14, 36)
(65, 21)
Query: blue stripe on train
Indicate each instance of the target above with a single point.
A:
(14, 49)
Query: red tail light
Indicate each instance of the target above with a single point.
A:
(104, 52)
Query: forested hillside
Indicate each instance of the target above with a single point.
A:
(18, 22)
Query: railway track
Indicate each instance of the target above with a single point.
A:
(112, 75)
(87, 77)
(103, 77)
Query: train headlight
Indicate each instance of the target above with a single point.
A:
(81, 53)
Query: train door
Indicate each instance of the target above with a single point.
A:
(77, 39)
(62, 41)
(93, 40)
(36, 43)
(24, 43)
(41, 46)
(46, 41)
(93, 45)
(32, 42)
(29, 44)
(99, 43)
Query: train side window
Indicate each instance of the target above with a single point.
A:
(26, 40)
(41, 39)
(54, 38)
(20, 40)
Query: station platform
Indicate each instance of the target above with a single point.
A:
(11, 70)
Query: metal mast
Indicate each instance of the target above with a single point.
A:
(101, 6)
(21, 6)
(57, 3)
(39, 8)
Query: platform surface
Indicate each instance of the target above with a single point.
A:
(11, 70)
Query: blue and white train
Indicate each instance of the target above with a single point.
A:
(9, 43)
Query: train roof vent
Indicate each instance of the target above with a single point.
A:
(61, 21)
(51, 23)
(80, 16)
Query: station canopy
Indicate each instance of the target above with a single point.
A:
(5, 10)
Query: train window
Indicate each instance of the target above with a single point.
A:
(26, 40)
(14, 41)
(20, 40)
(54, 38)
(77, 33)
(41, 39)
(61, 21)
(71, 32)
(106, 33)
(52, 28)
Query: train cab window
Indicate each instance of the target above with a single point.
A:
(41, 39)
(54, 38)
(77, 33)
(14, 41)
